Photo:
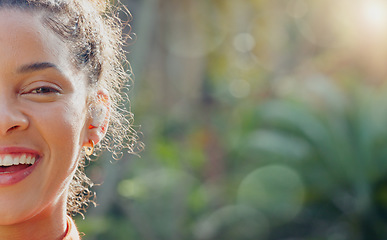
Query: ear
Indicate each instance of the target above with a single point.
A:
(98, 119)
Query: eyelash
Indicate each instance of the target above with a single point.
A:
(44, 90)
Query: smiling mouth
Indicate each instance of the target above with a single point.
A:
(10, 163)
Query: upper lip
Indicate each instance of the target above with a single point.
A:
(18, 150)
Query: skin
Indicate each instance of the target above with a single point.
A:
(43, 109)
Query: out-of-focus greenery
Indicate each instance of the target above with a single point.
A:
(262, 119)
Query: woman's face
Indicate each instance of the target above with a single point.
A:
(42, 118)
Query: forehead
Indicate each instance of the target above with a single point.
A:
(24, 39)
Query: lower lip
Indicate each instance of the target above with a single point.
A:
(11, 178)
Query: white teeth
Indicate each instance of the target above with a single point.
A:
(29, 160)
(22, 159)
(9, 159)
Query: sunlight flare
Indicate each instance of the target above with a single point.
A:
(374, 14)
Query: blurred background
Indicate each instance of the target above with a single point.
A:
(262, 119)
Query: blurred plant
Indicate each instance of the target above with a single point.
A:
(335, 140)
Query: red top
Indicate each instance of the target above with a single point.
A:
(72, 231)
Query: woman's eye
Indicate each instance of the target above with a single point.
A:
(44, 90)
(41, 91)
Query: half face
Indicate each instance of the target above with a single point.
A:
(42, 118)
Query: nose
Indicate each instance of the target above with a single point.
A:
(11, 118)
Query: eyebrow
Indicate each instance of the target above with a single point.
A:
(37, 67)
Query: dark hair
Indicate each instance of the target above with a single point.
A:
(93, 33)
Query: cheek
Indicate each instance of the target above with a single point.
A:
(62, 127)
(63, 136)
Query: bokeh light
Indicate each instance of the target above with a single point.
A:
(234, 221)
(374, 14)
(276, 190)
(244, 42)
(239, 88)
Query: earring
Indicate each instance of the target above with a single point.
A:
(89, 149)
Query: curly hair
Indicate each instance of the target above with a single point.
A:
(93, 33)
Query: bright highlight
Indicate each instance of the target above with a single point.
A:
(374, 14)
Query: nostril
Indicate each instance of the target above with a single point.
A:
(12, 128)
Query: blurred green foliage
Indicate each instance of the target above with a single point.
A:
(262, 120)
